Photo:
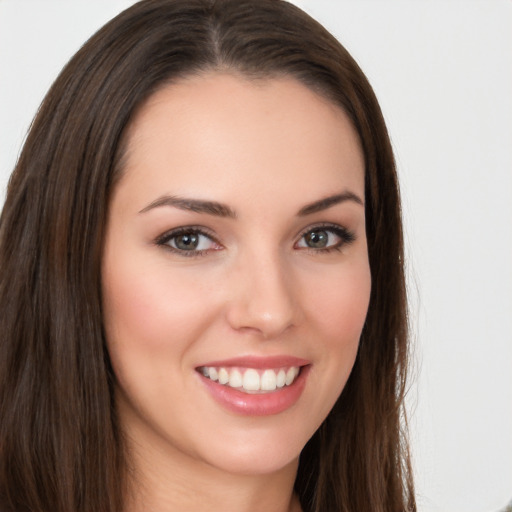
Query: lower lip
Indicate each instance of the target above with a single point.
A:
(260, 404)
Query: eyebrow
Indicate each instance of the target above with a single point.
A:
(327, 202)
(192, 205)
(222, 210)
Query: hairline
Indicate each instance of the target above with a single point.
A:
(254, 77)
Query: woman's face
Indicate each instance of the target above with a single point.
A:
(235, 272)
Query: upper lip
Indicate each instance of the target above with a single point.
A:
(260, 362)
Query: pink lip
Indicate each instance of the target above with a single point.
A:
(259, 362)
(261, 404)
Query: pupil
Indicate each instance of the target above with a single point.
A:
(317, 239)
(187, 242)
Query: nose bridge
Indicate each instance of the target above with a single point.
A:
(264, 299)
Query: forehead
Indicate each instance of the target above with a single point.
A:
(216, 133)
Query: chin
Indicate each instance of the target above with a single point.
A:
(265, 462)
(256, 451)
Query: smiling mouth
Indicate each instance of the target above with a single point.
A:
(252, 380)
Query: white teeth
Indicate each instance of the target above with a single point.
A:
(223, 376)
(235, 379)
(290, 376)
(252, 380)
(268, 380)
(281, 379)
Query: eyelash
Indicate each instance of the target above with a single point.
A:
(164, 239)
(346, 238)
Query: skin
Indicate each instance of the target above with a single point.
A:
(265, 149)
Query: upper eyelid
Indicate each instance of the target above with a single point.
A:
(202, 230)
(322, 225)
(347, 236)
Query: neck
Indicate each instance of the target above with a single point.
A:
(163, 479)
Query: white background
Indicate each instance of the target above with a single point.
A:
(443, 73)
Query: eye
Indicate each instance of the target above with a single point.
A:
(188, 241)
(325, 238)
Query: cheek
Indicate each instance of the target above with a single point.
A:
(152, 319)
(149, 305)
(339, 312)
(133, 322)
(341, 308)
(134, 308)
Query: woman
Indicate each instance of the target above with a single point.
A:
(202, 288)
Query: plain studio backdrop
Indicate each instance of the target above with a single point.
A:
(442, 71)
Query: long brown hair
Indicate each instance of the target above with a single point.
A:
(60, 444)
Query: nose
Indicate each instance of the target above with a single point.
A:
(264, 300)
